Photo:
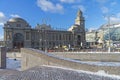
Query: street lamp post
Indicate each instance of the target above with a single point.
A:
(39, 39)
(104, 42)
(73, 39)
(44, 39)
(109, 45)
(109, 36)
(40, 45)
(45, 46)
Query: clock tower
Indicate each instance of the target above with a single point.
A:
(80, 19)
(78, 30)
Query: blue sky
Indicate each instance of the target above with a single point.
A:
(59, 14)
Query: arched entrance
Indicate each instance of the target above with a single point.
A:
(18, 41)
(79, 40)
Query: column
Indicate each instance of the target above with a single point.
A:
(2, 57)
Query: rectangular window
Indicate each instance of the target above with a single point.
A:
(60, 37)
(69, 37)
(27, 35)
(53, 38)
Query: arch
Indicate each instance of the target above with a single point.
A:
(79, 40)
(18, 41)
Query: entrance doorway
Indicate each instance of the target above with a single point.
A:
(18, 41)
(79, 40)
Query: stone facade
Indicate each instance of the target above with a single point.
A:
(18, 33)
(32, 58)
(91, 38)
(107, 35)
(88, 56)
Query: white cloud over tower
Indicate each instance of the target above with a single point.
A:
(46, 5)
(3, 18)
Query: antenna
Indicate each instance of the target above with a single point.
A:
(45, 20)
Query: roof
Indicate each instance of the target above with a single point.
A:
(43, 26)
(73, 27)
(111, 25)
(16, 19)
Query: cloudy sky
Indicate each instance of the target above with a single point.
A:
(59, 14)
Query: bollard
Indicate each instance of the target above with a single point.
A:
(2, 57)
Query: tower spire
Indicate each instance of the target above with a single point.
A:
(79, 19)
(79, 13)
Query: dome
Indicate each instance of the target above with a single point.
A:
(16, 20)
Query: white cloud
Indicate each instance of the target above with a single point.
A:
(14, 15)
(81, 7)
(104, 9)
(113, 18)
(70, 1)
(116, 17)
(1, 37)
(3, 18)
(1, 24)
(1, 14)
(67, 1)
(49, 6)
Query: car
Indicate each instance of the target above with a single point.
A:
(69, 49)
(66, 49)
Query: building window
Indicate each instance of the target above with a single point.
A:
(60, 37)
(18, 25)
(69, 37)
(53, 37)
(27, 35)
(8, 25)
(56, 36)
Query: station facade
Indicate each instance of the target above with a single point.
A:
(18, 33)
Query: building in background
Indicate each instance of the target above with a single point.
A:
(18, 33)
(106, 35)
(110, 34)
(91, 38)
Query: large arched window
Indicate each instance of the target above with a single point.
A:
(18, 40)
(18, 37)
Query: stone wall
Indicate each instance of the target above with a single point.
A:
(101, 56)
(2, 57)
(32, 58)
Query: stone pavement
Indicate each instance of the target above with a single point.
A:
(6, 72)
(50, 73)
